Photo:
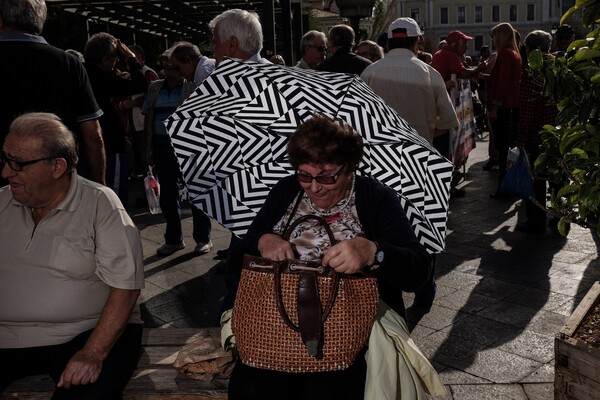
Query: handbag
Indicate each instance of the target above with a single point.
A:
(298, 316)
(518, 180)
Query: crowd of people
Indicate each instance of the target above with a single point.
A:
(73, 123)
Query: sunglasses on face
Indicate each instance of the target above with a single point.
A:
(322, 179)
(322, 49)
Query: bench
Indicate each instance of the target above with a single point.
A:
(155, 378)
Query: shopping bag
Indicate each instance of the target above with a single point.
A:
(518, 180)
(320, 327)
(152, 188)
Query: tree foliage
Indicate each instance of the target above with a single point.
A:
(570, 158)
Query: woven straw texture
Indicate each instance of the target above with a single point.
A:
(265, 341)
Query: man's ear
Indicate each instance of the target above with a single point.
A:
(233, 43)
(59, 167)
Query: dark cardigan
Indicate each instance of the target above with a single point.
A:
(406, 265)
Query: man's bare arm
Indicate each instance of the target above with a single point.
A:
(93, 145)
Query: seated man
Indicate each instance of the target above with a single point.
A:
(71, 268)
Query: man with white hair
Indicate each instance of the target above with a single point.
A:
(313, 48)
(237, 34)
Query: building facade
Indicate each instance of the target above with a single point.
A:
(476, 17)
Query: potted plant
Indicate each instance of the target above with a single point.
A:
(570, 159)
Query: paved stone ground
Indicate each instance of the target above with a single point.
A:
(502, 295)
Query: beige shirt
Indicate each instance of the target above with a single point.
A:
(55, 277)
(415, 90)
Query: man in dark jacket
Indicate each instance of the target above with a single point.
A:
(341, 41)
(41, 77)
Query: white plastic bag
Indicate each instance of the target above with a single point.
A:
(152, 192)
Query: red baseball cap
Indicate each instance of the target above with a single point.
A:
(455, 36)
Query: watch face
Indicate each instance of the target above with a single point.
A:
(379, 256)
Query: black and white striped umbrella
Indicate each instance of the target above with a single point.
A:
(230, 138)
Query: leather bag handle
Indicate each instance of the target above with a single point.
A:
(309, 308)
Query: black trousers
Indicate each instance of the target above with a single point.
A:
(505, 133)
(117, 368)
(248, 383)
(535, 215)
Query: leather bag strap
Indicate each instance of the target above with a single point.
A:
(310, 313)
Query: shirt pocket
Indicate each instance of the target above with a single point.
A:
(73, 256)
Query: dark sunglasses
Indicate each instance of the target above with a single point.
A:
(322, 179)
(322, 49)
(19, 165)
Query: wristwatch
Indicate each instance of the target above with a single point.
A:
(379, 255)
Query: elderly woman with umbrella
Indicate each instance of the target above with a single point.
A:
(372, 233)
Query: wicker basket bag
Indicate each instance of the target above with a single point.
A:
(297, 316)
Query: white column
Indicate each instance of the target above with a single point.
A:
(430, 13)
(400, 8)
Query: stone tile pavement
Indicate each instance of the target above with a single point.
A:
(502, 295)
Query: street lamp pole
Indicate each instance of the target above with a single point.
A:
(355, 10)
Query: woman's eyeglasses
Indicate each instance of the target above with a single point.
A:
(19, 165)
(322, 179)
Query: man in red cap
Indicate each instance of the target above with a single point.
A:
(449, 60)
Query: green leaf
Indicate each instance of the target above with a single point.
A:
(585, 53)
(536, 60)
(550, 82)
(579, 4)
(580, 43)
(586, 67)
(585, 109)
(564, 226)
(590, 14)
(579, 153)
(568, 190)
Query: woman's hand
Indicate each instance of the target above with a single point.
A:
(272, 246)
(350, 256)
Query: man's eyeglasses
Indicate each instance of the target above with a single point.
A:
(322, 49)
(322, 179)
(19, 165)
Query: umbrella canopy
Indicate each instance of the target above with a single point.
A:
(230, 138)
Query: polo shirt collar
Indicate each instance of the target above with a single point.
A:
(400, 51)
(71, 201)
(68, 204)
